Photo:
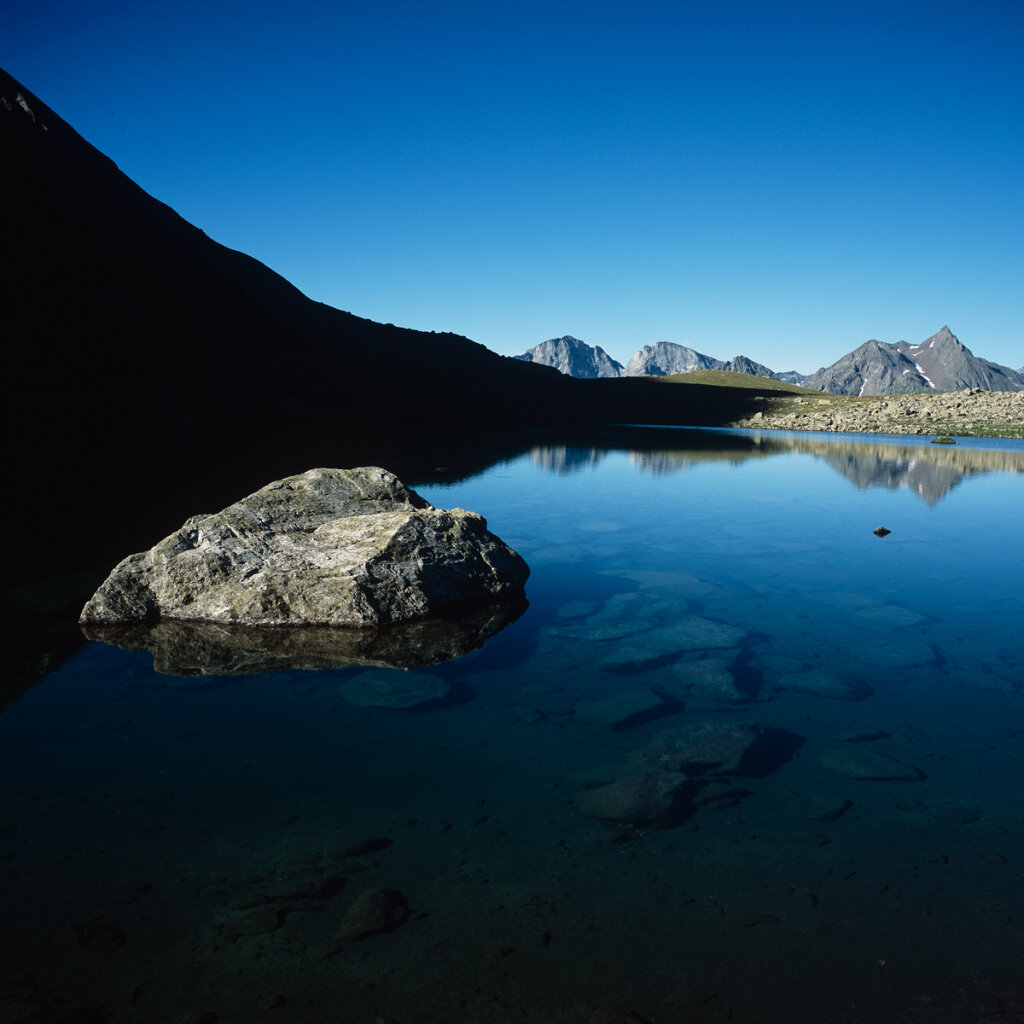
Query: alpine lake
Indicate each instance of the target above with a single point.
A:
(739, 760)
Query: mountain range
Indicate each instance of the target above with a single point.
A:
(578, 359)
(939, 363)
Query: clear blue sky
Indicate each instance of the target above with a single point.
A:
(785, 180)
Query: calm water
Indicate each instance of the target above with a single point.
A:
(713, 612)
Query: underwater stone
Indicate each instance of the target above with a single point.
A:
(692, 633)
(374, 911)
(857, 763)
(711, 746)
(653, 799)
(710, 678)
(390, 688)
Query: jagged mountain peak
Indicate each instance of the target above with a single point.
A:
(573, 357)
(666, 357)
(943, 336)
(939, 363)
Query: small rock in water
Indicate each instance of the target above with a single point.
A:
(891, 615)
(355, 843)
(713, 746)
(861, 735)
(531, 717)
(830, 811)
(881, 531)
(621, 616)
(374, 911)
(392, 688)
(710, 678)
(654, 800)
(902, 652)
(857, 763)
(818, 683)
(692, 633)
(721, 794)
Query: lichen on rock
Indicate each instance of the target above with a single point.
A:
(339, 547)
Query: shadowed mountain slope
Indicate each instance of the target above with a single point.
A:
(130, 321)
(146, 356)
(125, 313)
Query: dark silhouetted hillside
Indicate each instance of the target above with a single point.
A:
(144, 356)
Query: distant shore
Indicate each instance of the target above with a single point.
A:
(968, 413)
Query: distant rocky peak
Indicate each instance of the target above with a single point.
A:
(666, 357)
(573, 357)
(942, 337)
(939, 363)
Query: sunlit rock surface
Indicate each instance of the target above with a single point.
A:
(332, 547)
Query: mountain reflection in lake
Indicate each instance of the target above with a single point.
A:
(740, 760)
(928, 471)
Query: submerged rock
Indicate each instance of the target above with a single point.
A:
(716, 747)
(653, 799)
(692, 633)
(862, 735)
(342, 547)
(857, 763)
(383, 688)
(374, 911)
(711, 679)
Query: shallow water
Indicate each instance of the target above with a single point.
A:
(179, 846)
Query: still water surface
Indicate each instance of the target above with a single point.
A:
(839, 716)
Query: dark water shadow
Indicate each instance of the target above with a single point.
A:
(769, 752)
(669, 706)
(459, 693)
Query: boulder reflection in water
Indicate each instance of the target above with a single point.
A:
(206, 648)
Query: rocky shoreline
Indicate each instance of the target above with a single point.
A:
(968, 413)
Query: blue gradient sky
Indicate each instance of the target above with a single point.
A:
(784, 180)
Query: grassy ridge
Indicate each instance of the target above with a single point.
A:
(729, 379)
(970, 413)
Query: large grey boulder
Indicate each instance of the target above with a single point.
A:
(339, 547)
